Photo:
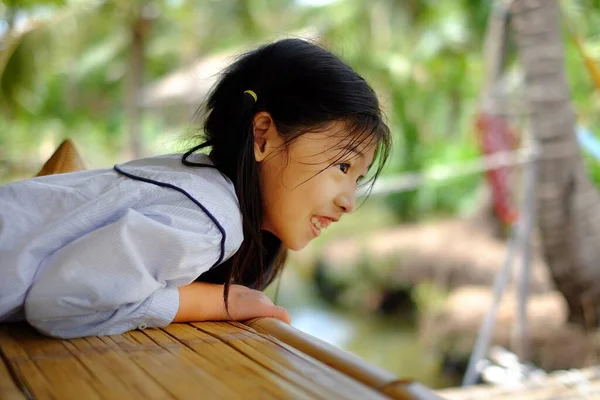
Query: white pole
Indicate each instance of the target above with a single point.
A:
(528, 209)
(413, 180)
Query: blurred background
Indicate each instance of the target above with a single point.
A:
(404, 281)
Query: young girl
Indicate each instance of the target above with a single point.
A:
(290, 130)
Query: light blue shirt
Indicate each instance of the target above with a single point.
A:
(99, 253)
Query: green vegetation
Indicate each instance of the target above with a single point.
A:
(65, 72)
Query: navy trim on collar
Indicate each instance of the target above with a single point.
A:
(189, 196)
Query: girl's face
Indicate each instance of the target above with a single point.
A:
(302, 191)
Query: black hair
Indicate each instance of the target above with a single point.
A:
(303, 87)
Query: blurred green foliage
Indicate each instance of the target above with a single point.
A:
(64, 63)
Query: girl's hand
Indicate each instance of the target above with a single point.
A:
(246, 303)
(200, 301)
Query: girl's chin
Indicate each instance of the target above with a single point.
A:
(296, 244)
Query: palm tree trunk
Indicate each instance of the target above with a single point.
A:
(568, 205)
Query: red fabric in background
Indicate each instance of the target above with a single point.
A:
(495, 135)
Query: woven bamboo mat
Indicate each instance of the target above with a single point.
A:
(187, 361)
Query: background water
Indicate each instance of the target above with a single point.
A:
(390, 343)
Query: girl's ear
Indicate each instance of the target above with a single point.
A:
(266, 137)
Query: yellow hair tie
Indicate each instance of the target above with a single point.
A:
(251, 93)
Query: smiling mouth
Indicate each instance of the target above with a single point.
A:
(320, 223)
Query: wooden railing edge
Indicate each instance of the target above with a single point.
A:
(375, 377)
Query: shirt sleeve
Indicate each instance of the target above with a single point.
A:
(124, 275)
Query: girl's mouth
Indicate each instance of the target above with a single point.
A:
(320, 223)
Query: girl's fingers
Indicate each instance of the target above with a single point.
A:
(281, 314)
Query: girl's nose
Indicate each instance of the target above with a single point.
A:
(346, 202)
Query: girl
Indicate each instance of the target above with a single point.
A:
(289, 132)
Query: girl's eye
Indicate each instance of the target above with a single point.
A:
(344, 167)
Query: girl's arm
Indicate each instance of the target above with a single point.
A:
(125, 275)
(204, 302)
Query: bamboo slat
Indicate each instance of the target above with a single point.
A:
(209, 360)
(24, 369)
(66, 158)
(348, 364)
(113, 371)
(176, 375)
(290, 364)
(409, 390)
(225, 362)
(322, 351)
(8, 387)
